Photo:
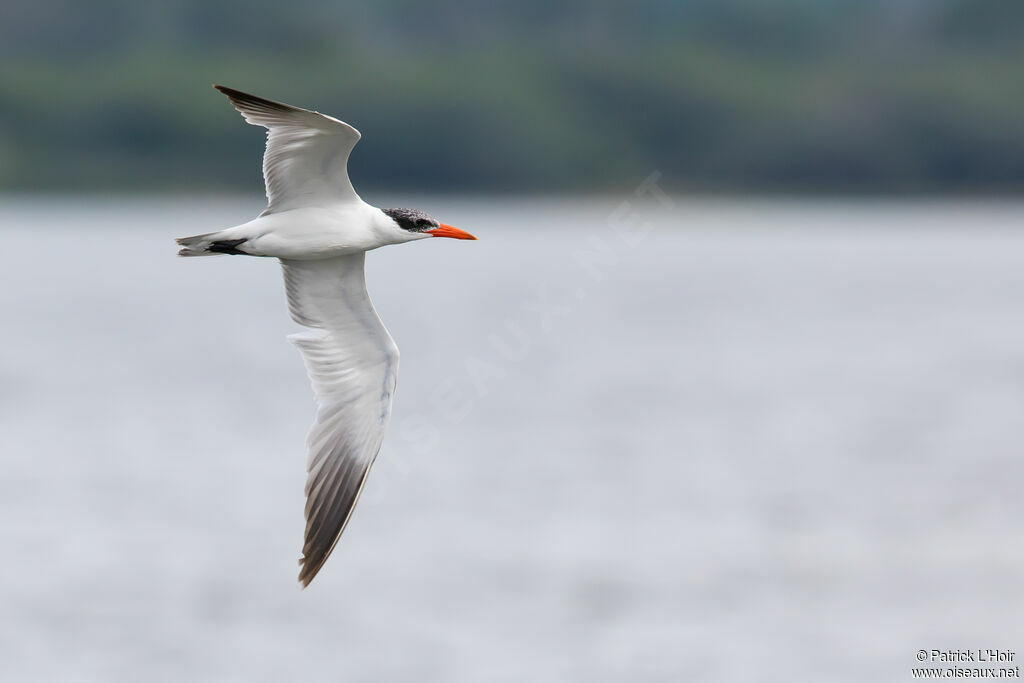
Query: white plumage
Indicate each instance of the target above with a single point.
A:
(320, 229)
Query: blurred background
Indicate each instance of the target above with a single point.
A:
(730, 388)
(876, 96)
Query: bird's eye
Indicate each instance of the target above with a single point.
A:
(422, 223)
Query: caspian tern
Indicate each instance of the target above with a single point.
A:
(320, 229)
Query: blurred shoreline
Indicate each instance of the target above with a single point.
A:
(834, 96)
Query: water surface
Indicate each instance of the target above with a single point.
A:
(723, 441)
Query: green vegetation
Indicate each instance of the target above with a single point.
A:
(720, 95)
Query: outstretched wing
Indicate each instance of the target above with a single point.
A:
(306, 160)
(353, 364)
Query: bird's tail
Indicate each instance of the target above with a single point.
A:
(208, 244)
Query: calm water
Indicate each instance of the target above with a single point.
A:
(719, 442)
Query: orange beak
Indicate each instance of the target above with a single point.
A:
(450, 231)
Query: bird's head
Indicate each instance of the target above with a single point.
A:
(414, 224)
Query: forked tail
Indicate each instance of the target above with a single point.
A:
(208, 245)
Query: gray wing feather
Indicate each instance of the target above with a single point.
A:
(306, 160)
(352, 364)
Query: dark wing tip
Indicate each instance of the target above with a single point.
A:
(247, 101)
(314, 560)
(308, 571)
(318, 548)
(324, 527)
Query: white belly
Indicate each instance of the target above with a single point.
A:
(310, 233)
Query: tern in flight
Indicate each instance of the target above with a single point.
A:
(320, 229)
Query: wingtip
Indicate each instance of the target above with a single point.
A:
(247, 103)
(307, 573)
(230, 92)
